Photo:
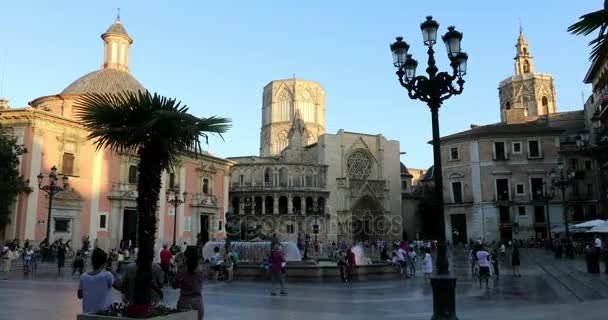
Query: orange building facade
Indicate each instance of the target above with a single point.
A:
(99, 201)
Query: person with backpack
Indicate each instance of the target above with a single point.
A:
(216, 263)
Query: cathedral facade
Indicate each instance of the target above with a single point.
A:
(343, 186)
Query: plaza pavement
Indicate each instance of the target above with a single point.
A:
(538, 294)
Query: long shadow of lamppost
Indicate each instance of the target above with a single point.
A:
(434, 89)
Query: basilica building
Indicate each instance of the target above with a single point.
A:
(99, 201)
(334, 187)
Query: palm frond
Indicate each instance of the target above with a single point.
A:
(588, 23)
(130, 121)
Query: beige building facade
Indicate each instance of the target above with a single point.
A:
(497, 183)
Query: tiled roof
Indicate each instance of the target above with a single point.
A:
(104, 81)
(117, 27)
(554, 123)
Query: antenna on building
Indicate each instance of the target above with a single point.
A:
(521, 28)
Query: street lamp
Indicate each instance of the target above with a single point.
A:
(51, 190)
(546, 196)
(173, 199)
(433, 90)
(563, 180)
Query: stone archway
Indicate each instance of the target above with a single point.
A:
(368, 222)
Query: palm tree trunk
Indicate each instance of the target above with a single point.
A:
(148, 188)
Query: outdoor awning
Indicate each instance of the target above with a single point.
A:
(589, 224)
(571, 229)
(602, 228)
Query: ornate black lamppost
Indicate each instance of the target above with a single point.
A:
(562, 180)
(433, 90)
(546, 196)
(173, 199)
(51, 190)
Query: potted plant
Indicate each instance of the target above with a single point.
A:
(159, 130)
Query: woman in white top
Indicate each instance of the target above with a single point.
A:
(427, 264)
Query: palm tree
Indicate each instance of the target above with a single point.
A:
(590, 22)
(159, 130)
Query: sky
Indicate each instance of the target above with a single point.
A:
(216, 57)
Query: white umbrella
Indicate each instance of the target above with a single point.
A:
(561, 228)
(601, 228)
(589, 224)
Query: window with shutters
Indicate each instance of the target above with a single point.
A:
(68, 164)
(133, 176)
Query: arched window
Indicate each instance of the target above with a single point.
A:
(525, 51)
(526, 66)
(307, 107)
(269, 205)
(282, 141)
(284, 106)
(133, 174)
(508, 105)
(122, 54)
(268, 176)
(206, 186)
(283, 177)
(114, 51)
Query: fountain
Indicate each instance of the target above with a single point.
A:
(254, 251)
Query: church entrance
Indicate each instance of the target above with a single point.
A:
(129, 227)
(368, 221)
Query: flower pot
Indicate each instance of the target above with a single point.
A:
(186, 315)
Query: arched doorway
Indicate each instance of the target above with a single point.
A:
(368, 220)
(269, 203)
(283, 205)
(297, 205)
(258, 205)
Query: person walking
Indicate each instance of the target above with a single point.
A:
(515, 262)
(427, 264)
(276, 261)
(494, 260)
(165, 262)
(60, 257)
(598, 246)
(8, 255)
(95, 287)
(411, 261)
(484, 266)
(190, 282)
(229, 265)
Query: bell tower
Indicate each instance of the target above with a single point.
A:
(527, 94)
(116, 46)
(523, 59)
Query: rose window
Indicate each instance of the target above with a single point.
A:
(359, 165)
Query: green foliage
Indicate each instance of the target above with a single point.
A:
(11, 183)
(589, 23)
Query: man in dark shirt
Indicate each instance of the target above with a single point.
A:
(60, 256)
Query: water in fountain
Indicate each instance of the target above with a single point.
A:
(253, 251)
(360, 258)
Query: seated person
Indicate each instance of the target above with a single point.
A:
(78, 264)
